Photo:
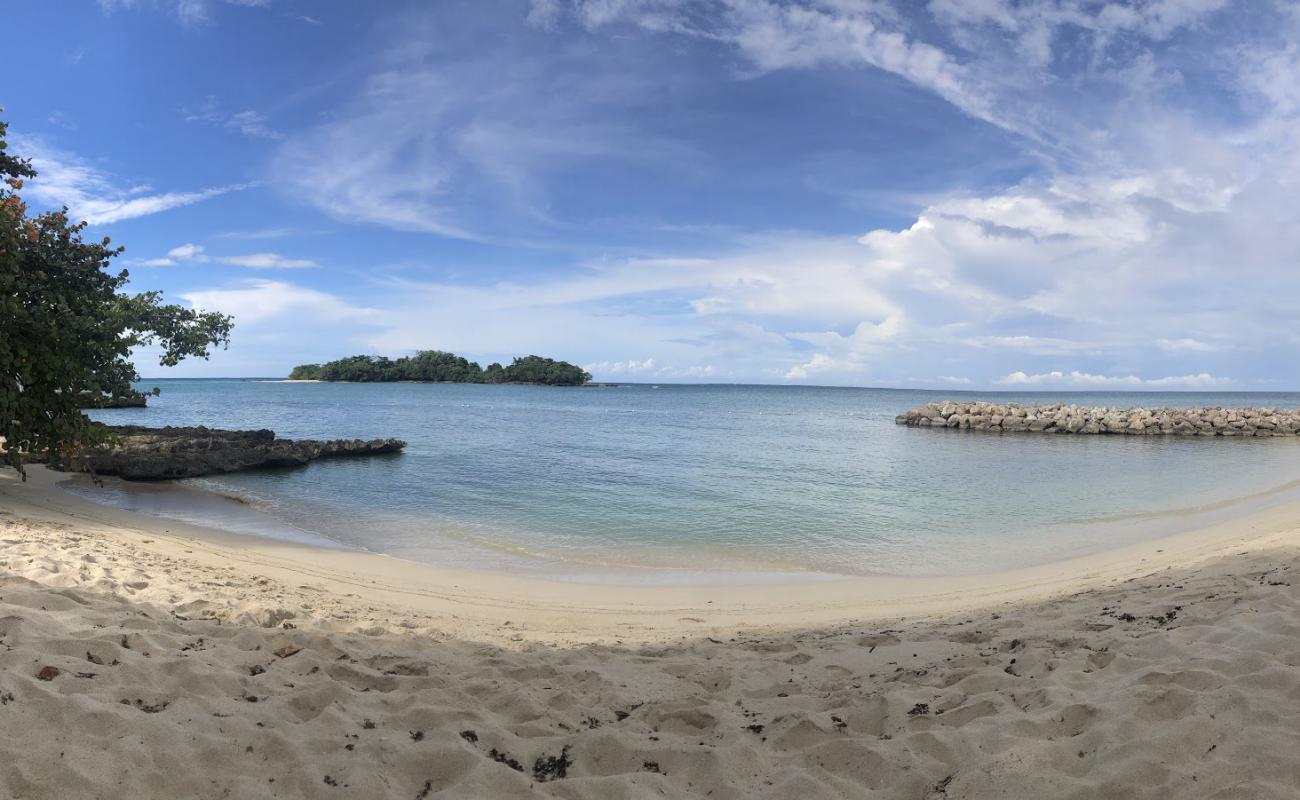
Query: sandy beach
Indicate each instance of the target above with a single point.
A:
(145, 658)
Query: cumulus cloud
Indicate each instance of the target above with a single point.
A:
(188, 252)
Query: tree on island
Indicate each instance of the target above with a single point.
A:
(437, 366)
(66, 331)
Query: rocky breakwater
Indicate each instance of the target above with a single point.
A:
(149, 454)
(1061, 418)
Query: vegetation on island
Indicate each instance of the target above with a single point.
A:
(436, 366)
(67, 330)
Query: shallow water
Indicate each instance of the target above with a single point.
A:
(667, 483)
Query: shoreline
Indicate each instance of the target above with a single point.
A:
(508, 608)
(1079, 539)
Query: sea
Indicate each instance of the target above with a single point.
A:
(681, 484)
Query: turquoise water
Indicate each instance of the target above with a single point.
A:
(668, 483)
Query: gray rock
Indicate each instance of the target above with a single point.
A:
(1072, 419)
(150, 454)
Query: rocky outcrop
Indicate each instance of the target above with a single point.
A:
(149, 454)
(1061, 418)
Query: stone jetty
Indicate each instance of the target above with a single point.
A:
(1062, 418)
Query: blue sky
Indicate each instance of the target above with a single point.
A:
(959, 193)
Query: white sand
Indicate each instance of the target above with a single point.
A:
(1071, 680)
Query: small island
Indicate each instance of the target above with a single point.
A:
(437, 366)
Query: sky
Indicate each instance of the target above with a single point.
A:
(962, 194)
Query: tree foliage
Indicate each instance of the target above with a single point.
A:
(437, 366)
(66, 329)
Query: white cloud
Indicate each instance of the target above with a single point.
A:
(818, 363)
(1038, 345)
(649, 369)
(61, 120)
(261, 233)
(92, 195)
(622, 367)
(261, 301)
(1078, 379)
(384, 162)
(190, 13)
(775, 36)
(188, 252)
(197, 253)
(544, 13)
(267, 261)
(435, 141)
(253, 123)
(1185, 345)
(250, 123)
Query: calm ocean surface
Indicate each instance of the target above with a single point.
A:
(687, 483)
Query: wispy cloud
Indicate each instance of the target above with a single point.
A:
(260, 301)
(93, 195)
(650, 369)
(61, 120)
(1187, 345)
(190, 13)
(250, 123)
(436, 142)
(1076, 379)
(198, 254)
(267, 261)
(263, 233)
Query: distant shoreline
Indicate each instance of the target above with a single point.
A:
(448, 383)
(973, 394)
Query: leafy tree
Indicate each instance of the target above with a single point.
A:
(436, 365)
(66, 330)
(306, 372)
(548, 371)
